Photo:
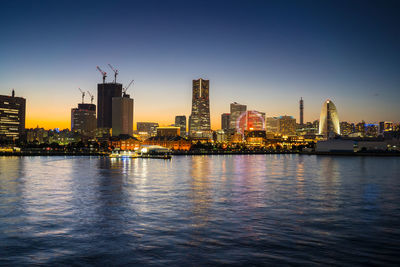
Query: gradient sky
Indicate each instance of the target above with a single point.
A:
(266, 54)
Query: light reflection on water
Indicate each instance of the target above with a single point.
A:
(239, 209)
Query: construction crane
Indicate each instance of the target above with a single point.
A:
(115, 72)
(103, 73)
(126, 88)
(83, 95)
(91, 97)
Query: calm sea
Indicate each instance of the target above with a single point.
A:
(200, 210)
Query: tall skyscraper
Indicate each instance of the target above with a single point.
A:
(225, 117)
(199, 120)
(122, 115)
(12, 116)
(180, 121)
(236, 110)
(83, 119)
(105, 94)
(301, 111)
(329, 121)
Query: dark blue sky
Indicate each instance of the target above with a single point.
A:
(266, 54)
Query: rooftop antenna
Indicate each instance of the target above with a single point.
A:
(103, 73)
(115, 72)
(91, 97)
(83, 95)
(126, 88)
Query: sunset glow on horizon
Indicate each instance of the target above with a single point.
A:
(265, 55)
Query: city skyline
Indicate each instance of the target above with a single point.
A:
(266, 57)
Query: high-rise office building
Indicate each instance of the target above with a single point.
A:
(329, 121)
(199, 120)
(301, 111)
(287, 125)
(105, 94)
(122, 115)
(83, 119)
(12, 116)
(236, 110)
(225, 117)
(180, 121)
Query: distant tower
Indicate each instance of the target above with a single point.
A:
(199, 120)
(301, 111)
(329, 120)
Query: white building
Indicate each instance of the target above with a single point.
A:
(329, 121)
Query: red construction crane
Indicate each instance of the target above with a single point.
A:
(115, 72)
(83, 95)
(103, 73)
(91, 97)
(126, 88)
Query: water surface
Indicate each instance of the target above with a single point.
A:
(200, 210)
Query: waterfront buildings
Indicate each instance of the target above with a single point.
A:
(124, 142)
(346, 128)
(287, 125)
(329, 121)
(199, 120)
(122, 115)
(105, 94)
(180, 121)
(147, 127)
(12, 116)
(225, 117)
(301, 111)
(169, 131)
(83, 119)
(385, 126)
(236, 110)
(272, 124)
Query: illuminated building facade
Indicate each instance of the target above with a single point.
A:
(147, 127)
(122, 115)
(329, 121)
(287, 125)
(105, 94)
(236, 110)
(385, 126)
(225, 117)
(346, 128)
(250, 121)
(83, 119)
(12, 116)
(272, 124)
(124, 142)
(180, 121)
(170, 142)
(168, 131)
(199, 120)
